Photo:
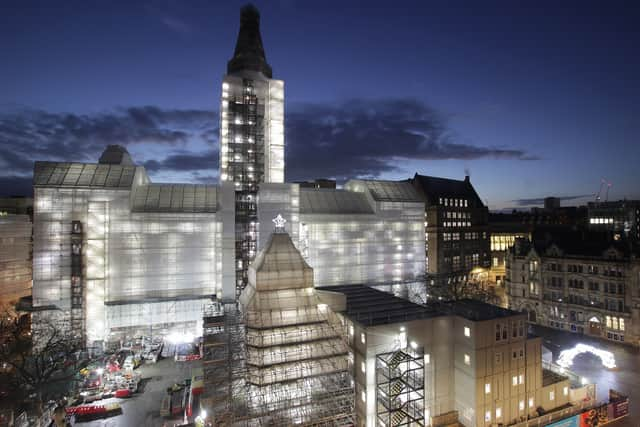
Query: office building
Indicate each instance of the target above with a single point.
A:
(586, 283)
(456, 230)
(621, 218)
(438, 365)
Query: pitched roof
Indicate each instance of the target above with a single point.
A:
(68, 174)
(388, 191)
(434, 188)
(196, 198)
(329, 201)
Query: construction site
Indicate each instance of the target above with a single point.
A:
(279, 356)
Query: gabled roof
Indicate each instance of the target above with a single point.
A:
(434, 188)
(196, 198)
(68, 174)
(330, 201)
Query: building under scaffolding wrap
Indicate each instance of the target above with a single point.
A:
(117, 255)
(295, 368)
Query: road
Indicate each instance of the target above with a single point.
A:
(625, 378)
(143, 409)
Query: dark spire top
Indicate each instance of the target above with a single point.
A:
(249, 53)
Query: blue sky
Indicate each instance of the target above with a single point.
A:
(532, 98)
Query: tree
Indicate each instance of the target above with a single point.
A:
(33, 366)
(465, 289)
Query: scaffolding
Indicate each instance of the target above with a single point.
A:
(278, 357)
(400, 388)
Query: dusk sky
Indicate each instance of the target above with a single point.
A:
(534, 99)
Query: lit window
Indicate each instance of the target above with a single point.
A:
(487, 416)
(427, 359)
(363, 396)
(498, 413)
(521, 379)
(363, 367)
(467, 331)
(521, 405)
(514, 380)
(363, 338)
(552, 395)
(467, 359)
(565, 391)
(531, 402)
(621, 324)
(351, 330)
(487, 388)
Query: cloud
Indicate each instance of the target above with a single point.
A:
(28, 135)
(540, 200)
(366, 138)
(356, 138)
(185, 162)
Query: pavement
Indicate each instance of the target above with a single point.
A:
(625, 378)
(143, 408)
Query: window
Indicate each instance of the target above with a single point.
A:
(498, 413)
(521, 405)
(487, 416)
(427, 359)
(565, 391)
(514, 380)
(363, 396)
(521, 379)
(531, 402)
(351, 330)
(497, 332)
(498, 358)
(363, 338)
(552, 395)
(467, 359)
(363, 367)
(467, 331)
(621, 324)
(487, 388)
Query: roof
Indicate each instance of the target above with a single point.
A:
(391, 191)
(574, 243)
(116, 155)
(279, 265)
(434, 188)
(477, 311)
(68, 174)
(249, 53)
(371, 307)
(330, 201)
(194, 198)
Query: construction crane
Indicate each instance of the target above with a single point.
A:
(603, 183)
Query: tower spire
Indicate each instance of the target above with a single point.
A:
(249, 54)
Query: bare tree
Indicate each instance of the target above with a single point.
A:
(32, 366)
(465, 289)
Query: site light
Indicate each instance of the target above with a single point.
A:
(99, 371)
(566, 356)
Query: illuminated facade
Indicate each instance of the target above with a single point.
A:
(467, 362)
(115, 254)
(251, 133)
(15, 250)
(585, 284)
(368, 232)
